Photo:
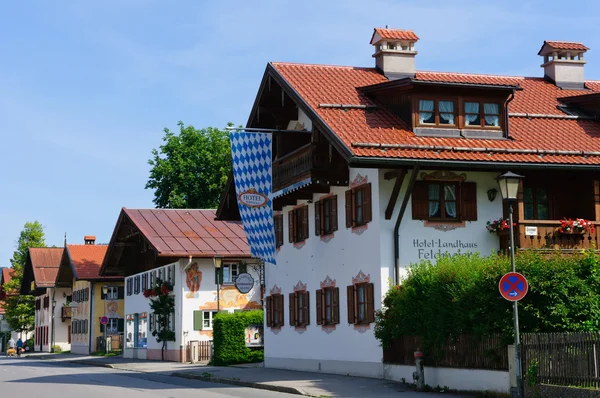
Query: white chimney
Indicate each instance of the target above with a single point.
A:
(563, 64)
(395, 52)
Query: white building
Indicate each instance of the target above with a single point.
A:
(179, 246)
(395, 166)
(39, 278)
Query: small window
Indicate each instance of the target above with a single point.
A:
(326, 221)
(426, 112)
(448, 201)
(230, 273)
(391, 46)
(299, 309)
(358, 206)
(328, 306)
(436, 112)
(298, 224)
(207, 319)
(443, 201)
(113, 293)
(129, 286)
(278, 223)
(535, 203)
(482, 114)
(275, 311)
(361, 305)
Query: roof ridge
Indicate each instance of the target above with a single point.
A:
(563, 41)
(148, 208)
(322, 65)
(479, 74)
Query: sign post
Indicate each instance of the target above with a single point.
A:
(104, 322)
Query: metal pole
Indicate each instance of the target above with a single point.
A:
(218, 295)
(516, 308)
(105, 327)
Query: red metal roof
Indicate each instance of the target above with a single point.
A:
(188, 232)
(566, 45)
(395, 34)
(6, 275)
(45, 261)
(87, 261)
(323, 84)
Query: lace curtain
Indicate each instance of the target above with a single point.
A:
(471, 112)
(446, 112)
(425, 110)
(491, 112)
(450, 194)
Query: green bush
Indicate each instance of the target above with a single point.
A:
(459, 295)
(229, 338)
(56, 349)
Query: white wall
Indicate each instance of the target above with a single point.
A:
(43, 318)
(343, 350)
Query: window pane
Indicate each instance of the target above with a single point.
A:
(434, 200)
(542, 200)
(359, 203)
(472, 114)
(434, 192)
(326, 206)
(426, 105)
(446, 118)
(527, 195)
(426, 117)
(542, 196)
(492, 121)
(450, 192)
(491, 109)
(226, 274)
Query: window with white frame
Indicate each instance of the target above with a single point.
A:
(207, 319)
(112, 327)
(230, 273)
(112, 293)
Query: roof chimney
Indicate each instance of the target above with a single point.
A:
(89, 239)
(563, 64)
(395, 52)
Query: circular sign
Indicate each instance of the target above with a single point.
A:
(251, 198)
(104, 320)
(513, 286)
(244, 282)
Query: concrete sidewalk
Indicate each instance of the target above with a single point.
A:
(256, 376)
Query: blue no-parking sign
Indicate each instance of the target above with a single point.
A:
(513, 286)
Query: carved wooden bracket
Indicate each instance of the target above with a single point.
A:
(444, 175)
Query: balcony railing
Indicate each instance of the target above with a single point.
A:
(543, 235)
(292, 166)
(66, 313)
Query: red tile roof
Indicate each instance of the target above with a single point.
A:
(87, 261)
(320, 84)
(396, 34)
(2, 310)
(566, 45)
(6, 275)
(45, 261)
(187, 232)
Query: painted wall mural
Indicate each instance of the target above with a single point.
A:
(193, 280)
(230, 297)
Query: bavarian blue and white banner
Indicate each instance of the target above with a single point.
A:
(252, 155)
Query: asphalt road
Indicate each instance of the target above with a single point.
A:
(30, 377)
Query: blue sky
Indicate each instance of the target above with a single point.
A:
(86, 87)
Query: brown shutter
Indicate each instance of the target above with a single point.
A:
(420, 201)
(280, 230)
(367, 204)
(269, 311)
(292, 229)
(350, 298)
(335, 309)
(318, 207)
(468, 196)
(292, 306)
(304, 210)
(280, 315)
(349, 206)
(319, 300)
(333, 219)
(370, 302)
(306, 309)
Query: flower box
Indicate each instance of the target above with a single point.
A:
(500, 226)
(503, 232)
(578, 226)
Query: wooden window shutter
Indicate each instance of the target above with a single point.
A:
(219, 275)
(198, 321)
(350, 299)
(306, 308)
(269, 311)
(367, 204)
(291, 227)
(304, 222)
(120, 292)
(420, 201)
(370, 302)
(281, 321)
(333, 219)
(102, 296)
(349, 209)
(469, 201)
(292, 305)
(319, 300)
(120, 325)
(335, 305)
(279, 230)
(318, 218)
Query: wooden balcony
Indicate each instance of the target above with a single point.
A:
(66, 313)
(293, 167)
(548, 238)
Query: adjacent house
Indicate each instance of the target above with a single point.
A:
(5, 277)
(201, 257)
(39, 277)
(88, 303)
(375, 168)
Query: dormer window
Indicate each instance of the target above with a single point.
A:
(391, 46)
(482, 114)
(436, 112)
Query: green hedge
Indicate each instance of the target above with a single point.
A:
(229, 338)
(459, 295)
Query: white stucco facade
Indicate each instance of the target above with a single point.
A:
(194, 289)
(364, 252)
(47, 334)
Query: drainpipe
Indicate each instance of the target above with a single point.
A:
(411, 183)
(92, 324)
(512, 96)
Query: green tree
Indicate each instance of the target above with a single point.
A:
(20, 309)
(162, 304)
(191, 168)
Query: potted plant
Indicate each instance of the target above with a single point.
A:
(501, 226)
(578, 226)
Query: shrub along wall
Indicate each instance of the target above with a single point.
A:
(459, 295)
(229, 338)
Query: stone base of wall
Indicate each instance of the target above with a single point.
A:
(546, 390)
(172, 355)
(352, 368)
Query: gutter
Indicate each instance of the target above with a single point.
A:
(407, 195)
(512, 97)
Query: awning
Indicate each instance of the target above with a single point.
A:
(291, 188)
